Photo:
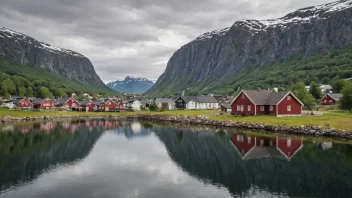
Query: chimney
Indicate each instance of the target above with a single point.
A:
(183, 93)
(73, 95)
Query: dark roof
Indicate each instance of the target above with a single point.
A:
(258, 97)
(202, 99)
(275, 97)
(164, 100)
(32, 98)
(336, 96)
(145, 101)
(62, 101)
(97, 102)
(18, 100)
(14, 97)
(38, 101)
(226, 105)
(266, 97)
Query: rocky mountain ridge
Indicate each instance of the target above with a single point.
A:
(131, 85)
(214, 57)
(28, 51)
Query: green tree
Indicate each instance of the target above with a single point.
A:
(346, 99)
(45, 93)
(7, 96)
(315, 90)
(9, 86)
(153, 106)
(29, 92)
(338, 85)
(301, 92)
(22, 91)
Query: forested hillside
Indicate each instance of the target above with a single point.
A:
(24, 80)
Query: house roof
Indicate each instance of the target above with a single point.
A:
(39, 101)
(18, 100)
(96, 102)
(14, 97)
(226, 105)
(335, 96)
(164, 100)
(202, 99)
(62, 101)
(276, 97)
(145, 101)
(266, 97)
(258, 97)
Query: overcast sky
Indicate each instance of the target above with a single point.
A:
(132, 37)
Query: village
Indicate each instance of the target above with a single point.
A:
(247, 102)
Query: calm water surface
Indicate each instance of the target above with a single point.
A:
(133, 159)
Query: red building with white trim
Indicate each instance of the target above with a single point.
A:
(68, 103)
(107, 105)
(330, 99)
(259, 102)
(23, 103)
(43, 103)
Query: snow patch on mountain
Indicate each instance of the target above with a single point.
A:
(304, 15)
(131, 85)
(22, 38)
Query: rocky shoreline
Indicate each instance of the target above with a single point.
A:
(317, 131)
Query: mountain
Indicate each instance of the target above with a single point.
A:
(131, 85)
(230, 57)
(74, 67)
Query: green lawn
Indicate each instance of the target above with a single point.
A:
(336, 119)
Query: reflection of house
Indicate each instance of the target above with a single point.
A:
(251, 147)
(330, 99)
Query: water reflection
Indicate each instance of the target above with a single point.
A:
(119, 158)
(251, 147)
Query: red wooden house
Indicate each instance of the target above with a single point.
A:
(252, 147)
(259, 102)
(23, 103)
(90, 105)
(68, 103)
(330, 99)
(119, 105)
(107, 105)
(43, 103)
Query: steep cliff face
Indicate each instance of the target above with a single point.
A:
(28, 51)
(249, 44)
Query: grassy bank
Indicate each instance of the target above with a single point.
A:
(336, 119)
(26, 113)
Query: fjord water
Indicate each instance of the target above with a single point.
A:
(109, 158)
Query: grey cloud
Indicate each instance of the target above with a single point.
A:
(132, 37)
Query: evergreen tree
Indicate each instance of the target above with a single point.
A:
(338, 85)
(315, 90)
(346, 99)
(45, 93)
(29, 92)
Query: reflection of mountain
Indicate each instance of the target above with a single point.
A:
(250, 147)
(132, 129)
(312, 172)
(25, 156)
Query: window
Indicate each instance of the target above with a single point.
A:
(288, 97)
(261, 142)
(249, 140)
(242, 108)
(331, 101)
(288, 142)
(324, 101)
(238, 108)
(238, 138)
(271, 108)
(288, 107)
(261, 108)
(249, 108)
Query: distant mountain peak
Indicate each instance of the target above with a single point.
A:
(131, 85)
